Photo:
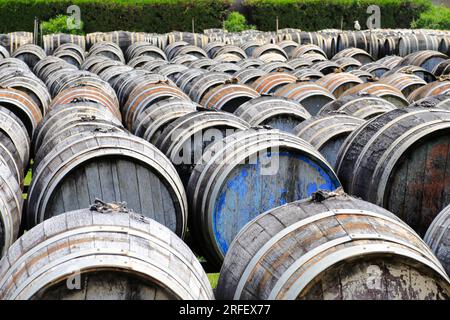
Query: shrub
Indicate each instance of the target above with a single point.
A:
(236, 22)
(313, 15)
(59, 24)
(434, 18)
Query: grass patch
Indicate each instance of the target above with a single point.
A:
(213, 279)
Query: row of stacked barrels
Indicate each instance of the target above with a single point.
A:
(202, 141)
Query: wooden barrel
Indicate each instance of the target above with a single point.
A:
(72, 47)
(10, 157)
(184, 140)
(375, 68)
(15, 63)
(299, 63)
(200, 85)
(250, 63)
(4, 53)
(270, 82)
(438, 236)
(276, 112)
(442, 69)
(109, 165)
(381, 90)
(358, 54)
(429, 90)
(229, 49)
(326, 67)
(330, 247)
(398, 161)
(228, 97)
(269, 53)
(135, 258)
(352, 39)
(426, 59)
(30, 54)
(104, 64)
(176, 44)
(327, 133)
(12, 126)
(143, 96)
(307, 74)
(185, 59)
(202, 63)
(107, 49)
(91, 63)
(276, 66)
(390, 61)
(11, 208)
(338, 83)
(348, 63)
(70, 57)
(187, 49)
(151, 122)
(246, 174)
(139, 61)
(224, 67)
(30, 85)
(65, 116)
(404, 82)
(185, 78)
(144, 49)
(288, 46)
(415, 42)
(171, 70)
(248, 76)
(363, 75)
(53, 41)
(361, 105)
(87, 94)
(110, 74)
(14, 40)
(441, 101)
(314, 57)
(418, 71)
(299, 51)
(310, 95)
(23, 106)
(47, 66)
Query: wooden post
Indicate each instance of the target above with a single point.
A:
(193, 25)
(342, 22)
(277, 24)
(36, 30)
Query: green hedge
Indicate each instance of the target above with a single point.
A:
(435, 18)
(107, 15)
(313, 15)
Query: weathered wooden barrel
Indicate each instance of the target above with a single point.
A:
(254, 170)
(66, 116)
(276, 112)
(113, 165)
(187, 49)
(47, 66)
(151, 122)
(338, 83)
(375, 68)
(53, 41)
(212, 47)
(431, 89)
(229, 49)
(139, 61)
(358, 54)
(135, 258)
(416, 42)
(195, 39)
(418, 71)
(171, 70)
(270, 82)
(224, 67)
(441, 101)
(30, 85)
(438, 236)
(276, 66)
(398, 161)
(248, 76)
(310, 95)
(184, 140)
(101, 66)
(348, 63)
(269, 53)
(307, 74)
(174, 45)
(250, 46)
(144, 49)
(200, 85)
(143, 96)
(14, 40)
(326, 67)
(10, 157)
(442, 68)
(361, 105)
(203, 63)
(107, 49)
(327, 132)
(352, 39)
(11, 208)
(80, 51)
(185, 59)
(70, 57)
(12, 126)
(339, 248)
(30, 54)
(15, 63)
(390, 61)
(185, 78)
(228, 97)
(382, 90)
(299, 51)
(112, 73)
(23, 106)
(299, 63)
(4, 53)
(85, 94)
(250, 63)
(288, 46)
(91, 62)
(426, 59)
(404, 82)
(363, 75)
(314, 57)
